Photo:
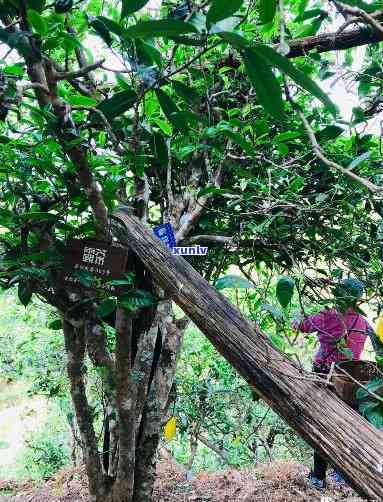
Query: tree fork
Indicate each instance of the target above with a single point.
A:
(342, 436)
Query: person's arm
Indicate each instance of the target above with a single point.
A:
(310, 324)
(322, 324)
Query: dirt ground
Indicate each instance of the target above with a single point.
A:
(277, 482)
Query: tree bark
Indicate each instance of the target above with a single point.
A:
(342, 436)
(75, 346)
(328, 42)
(156, 404)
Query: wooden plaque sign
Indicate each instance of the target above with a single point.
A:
(102, 260)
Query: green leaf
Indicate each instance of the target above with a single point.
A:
(36, 5)
(38, 23)
(78, 100)
(121, 282)
(278, 341)
(18, 41)
(15, 69)
(38, 216)
(267, 10)
(85, 278)
(99, 26)
(283, 149)
(234, 136)
(159, 28)
(186, 92)
(160, 150)
(311, 29)
(112, 26)
(55, 325)
(374, 385)
(138, 298)
(358, 160)
(235, 39)
(287, 136)
(348, 353)
(309, 14)
(221, 9)
(118, 104)
(233, 282)
(277, 314)
(329, 132)
(148, 54)
(171, 111)
(131, 6)
(367, 407)
(266, 85)
(285, 290)
(165, 127)
(226, 25)
(375, 416)
(24, 292)
(106, 307)
(283, 64)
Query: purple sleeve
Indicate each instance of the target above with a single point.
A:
(310, 323)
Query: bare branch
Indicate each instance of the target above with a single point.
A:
(355, 11)
(82, 72)
(169, 178)
(106, 123)
(211, 239)
(321, 156)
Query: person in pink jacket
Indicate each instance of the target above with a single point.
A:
(342, 333)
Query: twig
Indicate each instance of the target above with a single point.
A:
(105, 121)
(359, 384)
(321, 156)
(169, 178)
(356, 11)
(82, 72)
(329, 376)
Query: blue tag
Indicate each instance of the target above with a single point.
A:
(165, 234)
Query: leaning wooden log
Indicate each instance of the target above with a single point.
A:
(346, 439)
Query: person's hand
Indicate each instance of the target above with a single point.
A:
(297, 319)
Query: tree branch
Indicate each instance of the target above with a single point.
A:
(333, 42)
(211, 239)
(75, 348)
(82, 72)
(362, 14)
(321, 156)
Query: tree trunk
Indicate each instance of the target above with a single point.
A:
(75, 347)
(342, 436)
(143, 372)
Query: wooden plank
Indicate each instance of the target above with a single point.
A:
(316, 413)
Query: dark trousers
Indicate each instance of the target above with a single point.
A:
(320, 464)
